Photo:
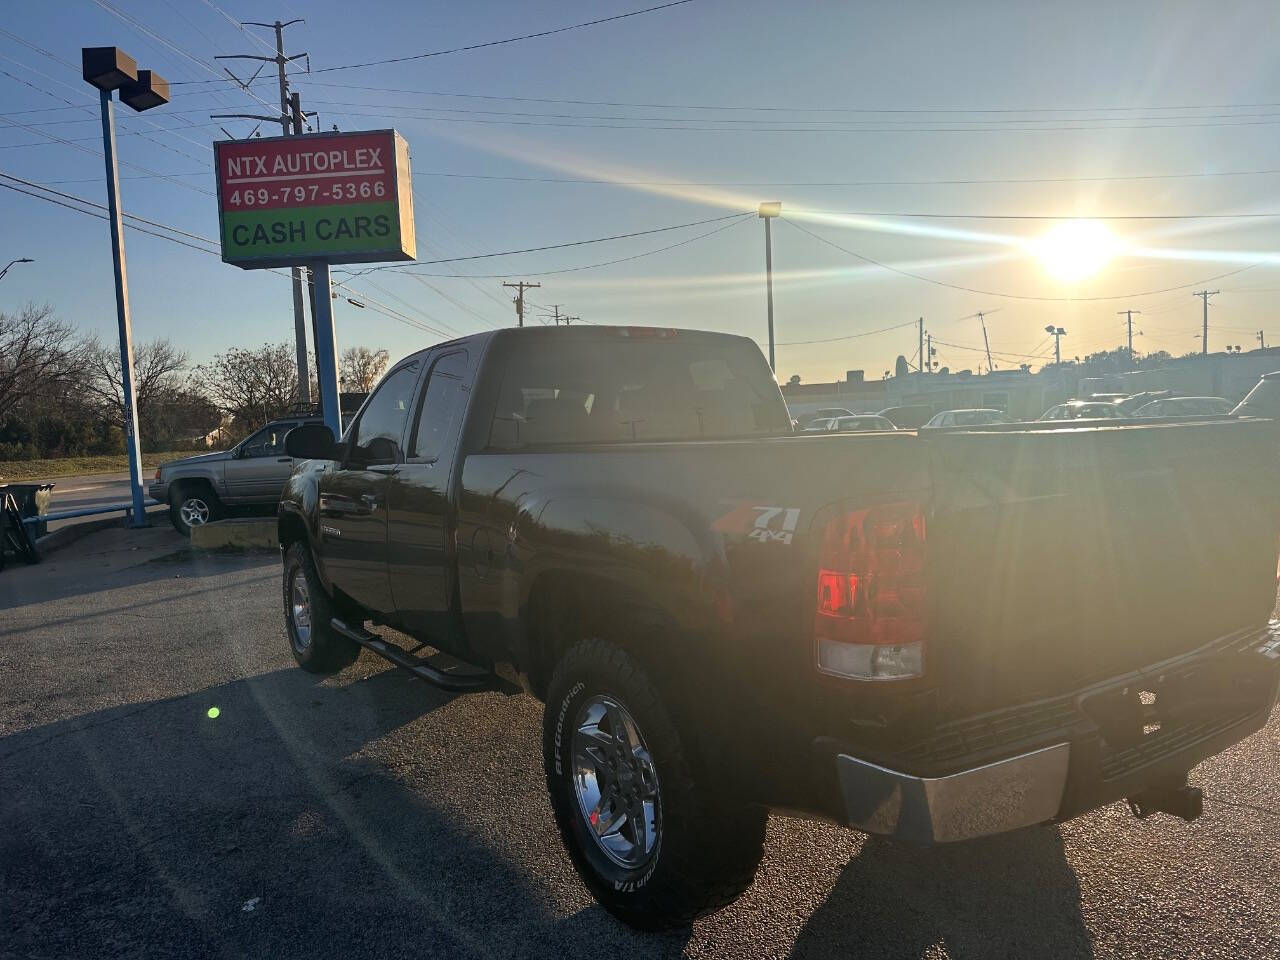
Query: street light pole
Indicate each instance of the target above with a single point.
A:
(109, 69)
(123, 320)
(12, 262)
(767, 212)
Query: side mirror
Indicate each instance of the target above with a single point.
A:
(311, 441)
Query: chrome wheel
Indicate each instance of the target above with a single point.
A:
(194, 512)
(616, 783)
(300, 608)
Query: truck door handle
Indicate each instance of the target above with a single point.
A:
(332, 505)
(284, 460)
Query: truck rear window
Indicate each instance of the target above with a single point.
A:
(618, 389)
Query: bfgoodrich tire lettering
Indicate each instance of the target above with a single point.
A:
(706, 846)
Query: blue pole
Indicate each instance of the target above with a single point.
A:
(326, 348)
(139, 517)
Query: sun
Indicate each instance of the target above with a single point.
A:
(1075, 250)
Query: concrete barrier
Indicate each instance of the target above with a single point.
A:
(241, 533)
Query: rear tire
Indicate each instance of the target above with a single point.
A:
(705, 845)
(316, 646)
(193, 505)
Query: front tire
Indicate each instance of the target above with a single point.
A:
(653, 839)
(316, 646)
(193, 505)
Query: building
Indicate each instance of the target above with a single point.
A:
(1025, 396)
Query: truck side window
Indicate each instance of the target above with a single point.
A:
(441, 402)
(377, 435)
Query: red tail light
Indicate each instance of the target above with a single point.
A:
(870, 621)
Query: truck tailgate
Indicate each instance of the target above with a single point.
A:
(1064, 556)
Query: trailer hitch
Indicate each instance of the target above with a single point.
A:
(1182, 801)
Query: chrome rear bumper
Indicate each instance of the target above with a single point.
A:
(994, 798)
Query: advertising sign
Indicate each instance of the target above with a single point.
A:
(331, 197)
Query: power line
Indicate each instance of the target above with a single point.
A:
(1041, 216)
(798, 124)
(851, 336)
(586, 266)
(843, 183)
(795, 109)
(558, 246)
(497, 43)
(1007, 296)
(671, 125)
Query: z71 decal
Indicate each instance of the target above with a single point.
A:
(762, 523)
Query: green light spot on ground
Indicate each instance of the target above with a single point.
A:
(213, 713)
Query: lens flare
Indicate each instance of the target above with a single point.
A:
(1075, 249)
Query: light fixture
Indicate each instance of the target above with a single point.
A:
(108, 68)
(149, 90)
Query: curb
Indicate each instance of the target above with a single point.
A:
(75, 531)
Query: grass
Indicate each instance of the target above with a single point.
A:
(17, 471)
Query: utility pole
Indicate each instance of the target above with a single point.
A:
(567, 319)
(556, 315)
(985, 342)
(1262, 339)
(520, 288)
(929, 339)
(290, 121)
(1058, 333)
(1204, 295)
(920, 348)
(1128, 319)
(767, 212)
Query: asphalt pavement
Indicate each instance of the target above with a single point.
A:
(371, 815)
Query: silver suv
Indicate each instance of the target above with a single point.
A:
(200, 489)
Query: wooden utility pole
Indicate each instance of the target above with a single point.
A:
(520, 287)
(1128, 315)
(920, 355)
(1204, 331)
(290, 121)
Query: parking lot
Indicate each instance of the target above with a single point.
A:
(369, 814)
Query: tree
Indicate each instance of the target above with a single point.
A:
(794, 381)
(251, 387)
(39, 354)
(360, 368)
(900, 367)
(156, 366)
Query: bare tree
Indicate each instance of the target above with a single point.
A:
(360, 368)
(39, 355)
(156, 368)
(251, 386)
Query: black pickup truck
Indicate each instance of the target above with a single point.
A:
(933, 637)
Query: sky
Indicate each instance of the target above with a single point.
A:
(993, 120)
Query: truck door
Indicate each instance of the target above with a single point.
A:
(420, 550)
(260, 465)
(353, 495)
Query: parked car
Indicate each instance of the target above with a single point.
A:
(1082, 410)
(860, 423)
(1185, 407)
(722, 618)
(977, 417)
(1263, 400)
(910, 417)
(818, 426)
(829, 413)
(205, 487)
(1128, 406)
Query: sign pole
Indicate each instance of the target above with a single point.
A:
(128, 395)
(326, 348)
